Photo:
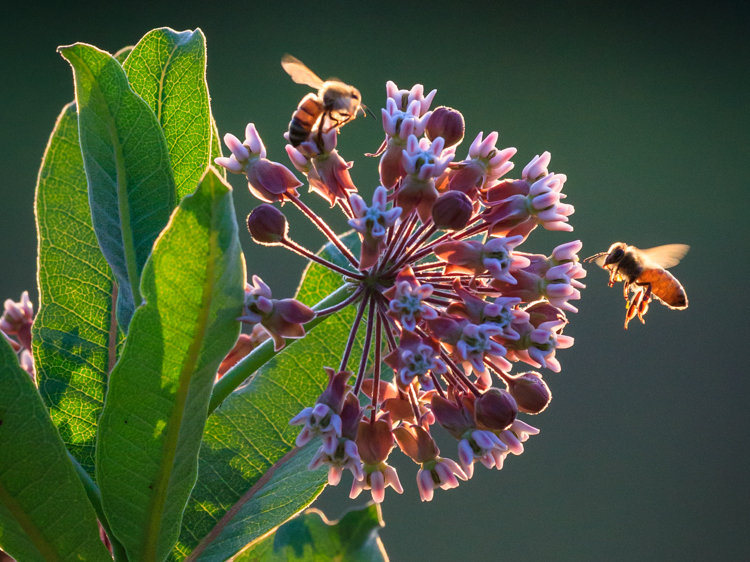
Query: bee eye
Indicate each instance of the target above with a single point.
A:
(616, 255)
(355, 96)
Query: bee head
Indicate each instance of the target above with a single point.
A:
(615, 253)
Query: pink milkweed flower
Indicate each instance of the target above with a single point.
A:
(324, 418)
(371, 223)
(540, 338)
(471, 344)
(423, 161)
(514, 437)
(480, 445)
(375, 442)
(404, 98)
(282, 318)
(406, 300)
(537, 167)
(501, 313)
(406, 113)
(345, 455)
(17, 319)
(435, 471)
(548, 278)
(518, 206)
(416, 357)
(475, 258)
(484, 165)
(268, 181)
(326, 171)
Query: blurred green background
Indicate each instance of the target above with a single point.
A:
(644, 451)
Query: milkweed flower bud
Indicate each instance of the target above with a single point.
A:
(268, 181)
(423, 161)
(530, 392)
(496, 409)
(371, 223)
(447, 123)
(282, 318)
(267, 225)
(452, 211)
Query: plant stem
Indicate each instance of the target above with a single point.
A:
(238, 374)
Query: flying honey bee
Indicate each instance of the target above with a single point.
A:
(334, 105)
(645, 273)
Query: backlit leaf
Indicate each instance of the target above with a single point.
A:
(44, 513)
(168, 70)
(74, 333)
(131, 187)
(151, 427)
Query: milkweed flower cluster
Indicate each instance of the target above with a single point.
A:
(15, 327)
(447, 300)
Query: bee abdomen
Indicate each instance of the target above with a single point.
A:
(666, 287)
(304, 119)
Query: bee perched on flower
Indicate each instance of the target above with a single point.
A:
(449, 302)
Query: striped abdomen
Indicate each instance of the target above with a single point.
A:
(665, 286)
(304, 118)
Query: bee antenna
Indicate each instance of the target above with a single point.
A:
(368, 110)
(592, 258)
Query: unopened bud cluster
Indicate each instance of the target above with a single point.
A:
(15, 327)
(448, 300)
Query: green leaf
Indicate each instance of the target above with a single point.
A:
(250, 432)
(75, 333)
(150, 429)
(44, 513)
(131, 188)
(168, 70)
(310, 537)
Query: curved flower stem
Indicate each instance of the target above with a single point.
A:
(413, 246)
(238, 374)
(325, 229)
(353, 333)
(366, 348)
(376, 373)
(436, 382)
(460, 374)
(301, 250)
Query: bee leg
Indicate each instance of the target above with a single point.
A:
(633, 307)
(645, 299)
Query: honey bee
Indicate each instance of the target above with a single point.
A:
(645, 273)
(335, 103)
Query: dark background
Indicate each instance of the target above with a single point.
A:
(643, 453)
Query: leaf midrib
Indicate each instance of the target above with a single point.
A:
(174, 426)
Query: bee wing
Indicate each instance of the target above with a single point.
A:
(299, 72)
(665, 256)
